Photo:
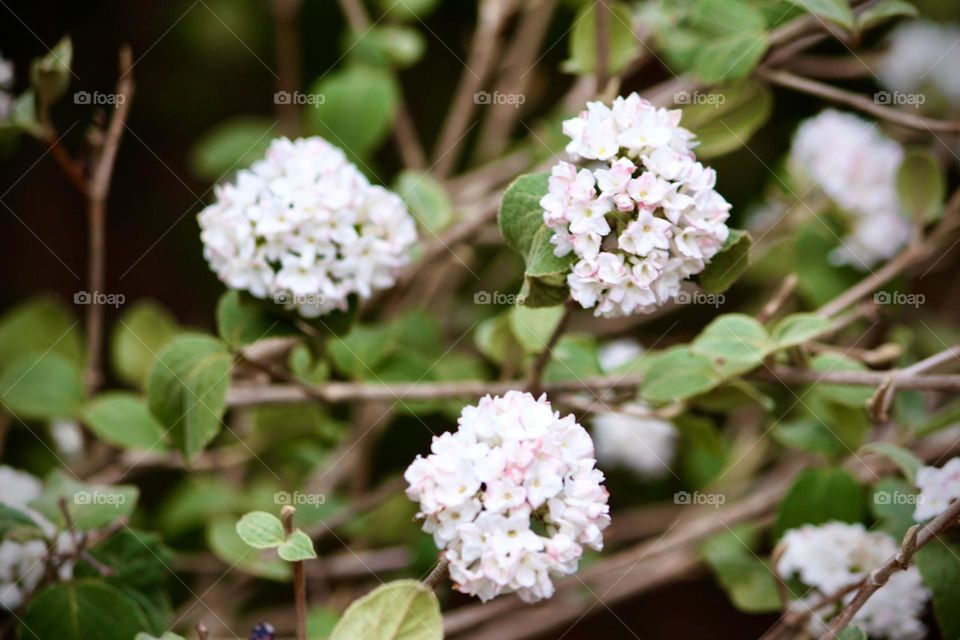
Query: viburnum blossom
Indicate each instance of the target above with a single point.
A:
(512, 496)
(836, 555)
(922, 54)
(938, 488)
(850, 161)
(642, 216)
(21, 562)
(6, 83)
(305, 228)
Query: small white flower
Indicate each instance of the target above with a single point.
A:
(923, 52)
(938, 488)
(511, 497)
(305, 223)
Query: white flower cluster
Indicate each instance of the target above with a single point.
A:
(6, 83)
(22, 563)
(642, 217)
(938, 488)
(851, 162)
(644, 444)
(836, 555)
(305, 228)
(923, 53)
(511, 497)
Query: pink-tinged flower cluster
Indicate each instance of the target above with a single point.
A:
(938, 488)
(512, 496)
(837, 555)
(644, 214)
(305, 228)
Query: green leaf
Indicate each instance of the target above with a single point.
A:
(356, 111)
(320, 623)
(307, 366)
(798, 328)
(187, 390)
(50, 75)
(818, 280)
(818, 496)
(90, 506)
(677, 374)
(921, 186)
(241, 322)
(837, 11)
(494, 338)
(222, 539)
(852, 633)
(544, 281)
(940, 569)
(735, 343)
(809, 435)
(880, 13)
(398, 610)
(847, 395)
(892, 504)
(123, 419)
(905, 460)
(521, 215)
(385, 46)
(427, 200)
(40, 386)
(39, 325)
(232, 145)
(15, 524)
(140, 333)
(947, 416)
(297, 546)
(583, 39)
(533, 327)
(83, 610)
(574, 358)
(725, 119)
(359, 354)
(725, 267)
(408, 10)
(733, 40)
(750, 584)
(260, 530)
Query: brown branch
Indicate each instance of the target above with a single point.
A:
(299, 577)
(484, 48)
(287, 37)
(856, 101)
(902, 379)
(535, 379)
(915, 538)
(779, 298)
(437, 574)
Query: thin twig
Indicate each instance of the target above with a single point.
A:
(780, 297)
(439, 572)
(287, 36)
(299, 577)
(535, 379)
(856, 101)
